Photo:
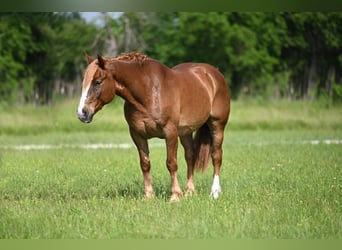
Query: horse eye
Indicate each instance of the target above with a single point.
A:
(97, 82)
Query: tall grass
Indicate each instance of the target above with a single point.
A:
(61, 117)
(251, 115)
(280, 115)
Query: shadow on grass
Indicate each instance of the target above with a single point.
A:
(127, 189)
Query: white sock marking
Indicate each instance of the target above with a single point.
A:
(215, 188)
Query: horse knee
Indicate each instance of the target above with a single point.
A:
(171, 165)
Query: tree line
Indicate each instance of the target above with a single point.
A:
(265, 55)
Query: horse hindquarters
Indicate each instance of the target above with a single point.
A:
(209, 138)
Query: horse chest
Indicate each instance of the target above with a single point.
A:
(143, 123)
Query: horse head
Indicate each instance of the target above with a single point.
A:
(98, 89)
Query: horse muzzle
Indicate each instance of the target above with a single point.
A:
(85, 116)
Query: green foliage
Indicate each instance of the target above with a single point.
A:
(15, 40)
(255, 51)
(312, 49)
(265, 55)
(38, 49)
(337, 93)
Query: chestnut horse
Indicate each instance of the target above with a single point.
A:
(165, 103)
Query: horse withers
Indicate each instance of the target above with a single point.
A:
(190, 101)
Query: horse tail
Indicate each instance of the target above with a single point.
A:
(202, 148)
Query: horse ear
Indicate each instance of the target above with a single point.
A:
(101, 61)
(89, 59)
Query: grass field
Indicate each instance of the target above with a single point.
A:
(281, 177)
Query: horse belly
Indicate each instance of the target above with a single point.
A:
(196, 96)
(194, 116)
(185, 130)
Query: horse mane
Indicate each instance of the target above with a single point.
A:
(132, 57)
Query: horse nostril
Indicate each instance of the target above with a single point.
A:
(84, 113)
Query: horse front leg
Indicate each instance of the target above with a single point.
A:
(172, 166)
(188, 145)
(142, 147)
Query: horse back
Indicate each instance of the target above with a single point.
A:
(201, 79)
(201, 73)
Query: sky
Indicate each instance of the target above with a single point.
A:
(95, 17)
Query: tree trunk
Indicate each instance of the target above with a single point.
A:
(128, 33)
(312, 79)
(330, 81)
(113, 45)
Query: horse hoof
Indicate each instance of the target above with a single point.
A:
(189, 193)
(148, 196)
(174, 198)
(215, 193)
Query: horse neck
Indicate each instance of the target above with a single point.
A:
(134, 79)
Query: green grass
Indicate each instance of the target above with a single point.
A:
(283, 182)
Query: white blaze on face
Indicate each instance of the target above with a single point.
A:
(82, 100)
(87, 79)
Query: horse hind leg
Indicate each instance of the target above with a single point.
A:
(217, 131)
